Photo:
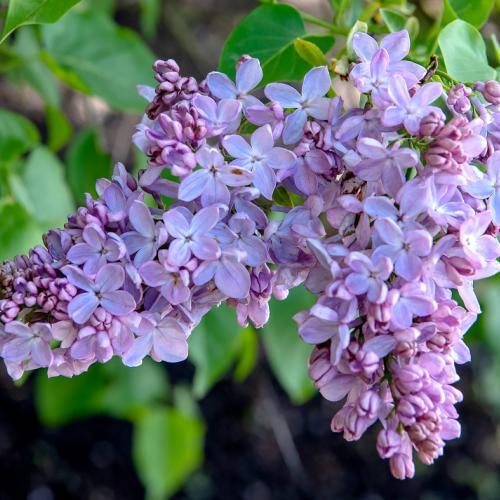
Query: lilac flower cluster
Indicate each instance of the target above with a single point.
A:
(380, 210)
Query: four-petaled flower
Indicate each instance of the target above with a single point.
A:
(104, 291)
(311, 102)
(260, 157)
(190, 234)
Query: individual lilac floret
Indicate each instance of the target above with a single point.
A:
(409, 110)
(147, 237)
(260, 157)
(248, 76)
(104, 291)
(368, 276)
(172, 280)
(404, 249)
(27, 344)
(210, 183)
(384, 164)
(190, 234)
(97, 249)
(222, 117)
(311, 102)
(488, 186)
(164, 339)
(393, 48)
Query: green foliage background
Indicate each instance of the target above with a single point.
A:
(49, 48)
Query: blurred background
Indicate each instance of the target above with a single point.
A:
(240, 420)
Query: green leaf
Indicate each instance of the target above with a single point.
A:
(474, 12)
(150, 16)
(496, 47)
(167, 448)
(266, 31)
(213, 348)
(17, 135)
(86, 162)
(18, 231)
(464, 52)
(49, 197)
(21, 12)
(105, 389)
(269, 33)
(310, 52)
(247, 353)
(288, 354)
(110, 61)
(59, 128)
(287, 65)
(33, 70)
(393, 19)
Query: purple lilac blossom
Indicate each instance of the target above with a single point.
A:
(380, 212)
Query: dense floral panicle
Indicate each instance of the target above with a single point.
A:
(381, 211)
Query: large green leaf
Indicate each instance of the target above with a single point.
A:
(110, 61)
(33, 70)
(167, 448)
(21, 12)
(110, 389)
(45, 194)
(475, 12)
(213, 348)
(86, 162)
(17, 135)
(288, 354)
(18, 231)
(269, 33)
(464, 52)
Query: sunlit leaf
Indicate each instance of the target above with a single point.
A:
(167, 448)
(21, 12)
(288, 354)
(86, 162)
(464, 52)
(110, 60)
(475, 12)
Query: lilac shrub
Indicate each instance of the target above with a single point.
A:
(387, 212)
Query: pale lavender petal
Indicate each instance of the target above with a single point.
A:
(262, 140)
(193, 185)
(118, 302)
(378, 65)
(294, 126)
(140, 349)
(228, 110)
(153, 274)
(78, 278)
(248, 75)
(169, 343)
(205, 272)
(318, 108)
(281, 158)
(237, 147)
(426, 94)
(221, 86)
(41, 353)
(264, 180)
(364, 46)
(179, 252)
(317, 82)
(380, 206)
(205, 248)
(82, 307)
(381, 345)
(176, 224)
(17, 349)
(284, 94)
(110, 277)
(357, 283)
(206, 106)
(408, 266)
(393, 116)
(338, 388)
(232, 279)
(398, 91)
(141, 220)
(397, 45)
(389, 232)
(205, 220)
